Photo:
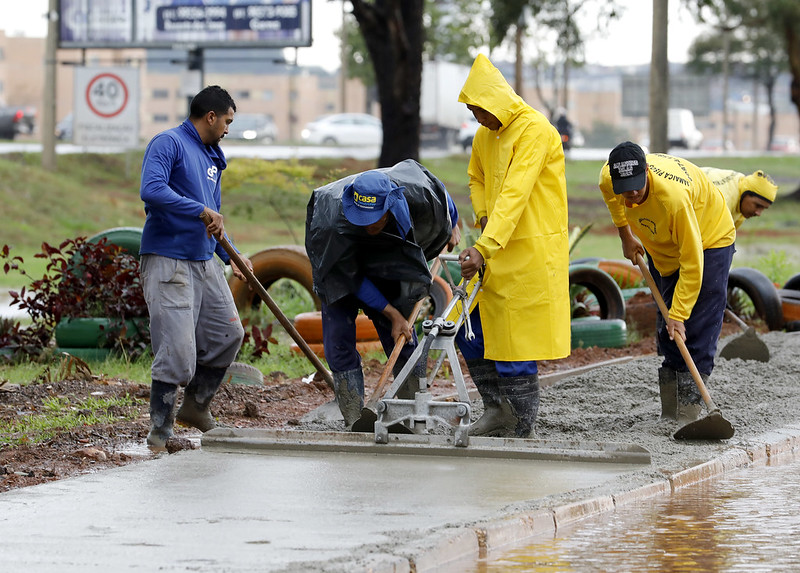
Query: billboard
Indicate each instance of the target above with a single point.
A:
(184, 23)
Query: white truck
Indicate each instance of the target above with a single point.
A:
(441, 115)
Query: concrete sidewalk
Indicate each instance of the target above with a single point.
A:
(212, 510)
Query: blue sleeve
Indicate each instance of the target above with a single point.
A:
(161, 154)
(369, 294)
(451, 207)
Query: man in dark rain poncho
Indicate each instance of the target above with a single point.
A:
(369, 237)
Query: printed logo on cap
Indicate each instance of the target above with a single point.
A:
(364, 201)
(625, 168)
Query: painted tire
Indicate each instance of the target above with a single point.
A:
(591, 331)
(128, 238)
(87, 354)
(793, 283)
(362, 347)
(762, 293)
(269, 266)
(790, 304)
(624, 273)
(603, 287)
(240, 373)
(309, 326)
(86, 332)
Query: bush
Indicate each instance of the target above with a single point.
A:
(81, 280)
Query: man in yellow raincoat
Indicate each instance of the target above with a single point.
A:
(746, 195)
(519, 195)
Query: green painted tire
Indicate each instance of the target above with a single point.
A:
(86, 332)
(128, 238)
(87, 354)
(604, 333)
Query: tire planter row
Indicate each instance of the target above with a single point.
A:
(87, 338)
(594, 331)
(762, 293)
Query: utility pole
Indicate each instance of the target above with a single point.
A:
(49, 97)
(659, 79)
(343, 63)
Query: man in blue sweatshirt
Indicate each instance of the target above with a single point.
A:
(194, 323)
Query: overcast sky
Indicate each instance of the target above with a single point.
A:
(626, 42)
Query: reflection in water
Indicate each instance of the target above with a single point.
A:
(745, 521)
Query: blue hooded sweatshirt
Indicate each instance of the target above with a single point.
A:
(180, 177)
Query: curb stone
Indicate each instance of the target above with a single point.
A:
(508, 532)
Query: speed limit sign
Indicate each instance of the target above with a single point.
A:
(107, 95)
(106, 107)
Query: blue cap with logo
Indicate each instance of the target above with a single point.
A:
(369, 196)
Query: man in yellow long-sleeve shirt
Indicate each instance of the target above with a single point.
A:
(666, 206)
(746, 195)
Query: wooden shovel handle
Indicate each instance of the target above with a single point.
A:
(678, 340)
(262, 292)
(398, 346)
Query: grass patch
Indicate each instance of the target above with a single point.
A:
(59, 415)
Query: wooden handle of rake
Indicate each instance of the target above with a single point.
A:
(262, 292)
(398, 346)
(678, 340)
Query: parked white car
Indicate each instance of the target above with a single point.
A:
(344, 129)
(467, 132)
(253, 127)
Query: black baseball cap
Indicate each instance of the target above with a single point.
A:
(628, 167)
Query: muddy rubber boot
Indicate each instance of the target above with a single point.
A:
(496, 413)
(162, 413)
(349, 388)
(668, 390)
(410, 387)
(690, 403)
(196, 408)
(522, 394)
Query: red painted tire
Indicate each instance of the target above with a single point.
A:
(270, 265)
(362, 347)
(309, 326)
(790, 304)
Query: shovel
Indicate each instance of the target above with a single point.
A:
(747, 346)
(262, 292)
(366, 423)
(713, 426)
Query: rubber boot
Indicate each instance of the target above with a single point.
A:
(690, 403)
(522, 394)
(668, 390)
(496, 413)
(349, 388)
(162, 413)
(195, 410)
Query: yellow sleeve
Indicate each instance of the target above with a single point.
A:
(615, 203)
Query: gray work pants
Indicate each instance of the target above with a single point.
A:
(193, 319)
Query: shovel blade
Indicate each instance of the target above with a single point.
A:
(747, 346)
(328, 412)
(711, 427)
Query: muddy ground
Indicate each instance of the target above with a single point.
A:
(618, 403)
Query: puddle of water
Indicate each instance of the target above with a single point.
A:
(746, 521)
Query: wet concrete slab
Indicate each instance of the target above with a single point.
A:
(215, 510)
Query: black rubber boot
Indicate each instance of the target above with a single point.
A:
(349, 388)
(690, 403)
(668, 390)
(522, 393)
(195, 410)
(496, 413)
(162, 413)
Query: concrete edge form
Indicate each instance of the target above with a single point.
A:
(514, 530)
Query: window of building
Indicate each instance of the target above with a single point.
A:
(160, 93)
(160, 118)
(268, 95)
(242, 94)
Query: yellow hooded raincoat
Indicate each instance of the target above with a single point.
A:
(517, 180)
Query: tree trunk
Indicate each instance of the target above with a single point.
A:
(793, 49)
(659, 79)
(393, 32)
